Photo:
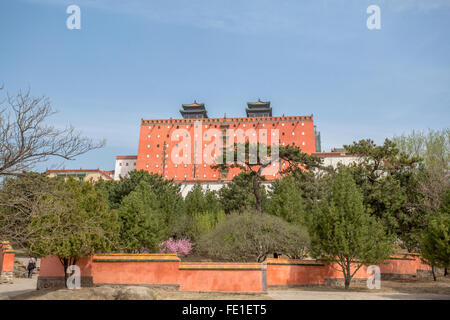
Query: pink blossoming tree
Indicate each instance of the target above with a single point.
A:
(181, 246)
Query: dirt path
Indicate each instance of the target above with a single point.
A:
(340, 295)
(20, 286)
(407, 289)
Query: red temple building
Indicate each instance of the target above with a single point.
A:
(184, 149)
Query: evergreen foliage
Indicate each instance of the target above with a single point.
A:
(342, 230)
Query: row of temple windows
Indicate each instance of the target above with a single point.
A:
(205, 176)
(147, 166)
(215, 145)
(206, 135)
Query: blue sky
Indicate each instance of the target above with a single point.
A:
(143, 59)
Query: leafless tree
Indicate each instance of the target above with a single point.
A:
(432, 186)
(27, 139)
(433, 148)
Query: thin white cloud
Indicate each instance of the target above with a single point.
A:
(248, 16)
(418, 5)
(308, 18)
(236, 16)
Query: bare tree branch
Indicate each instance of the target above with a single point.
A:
(26, 139)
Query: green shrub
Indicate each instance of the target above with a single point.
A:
(238, 194)
(252, 237)
(195, 225)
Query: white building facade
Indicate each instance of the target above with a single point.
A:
(124, 164)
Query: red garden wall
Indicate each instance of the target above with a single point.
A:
(135, 269)
(288, 272)
(403, 265)
(227, 277)
(167, 269)
(114, 269)
(6, 262)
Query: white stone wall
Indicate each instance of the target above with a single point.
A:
(123, 166)
(344, 160)
(213, 186)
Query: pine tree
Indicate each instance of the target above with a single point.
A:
(115, 191)
(342, 231)
(435, 238)
(142, 221)
(238, 194)
(386, 177)
(286, 201)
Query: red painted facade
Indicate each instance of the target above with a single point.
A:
(162, 143)
(6, 257)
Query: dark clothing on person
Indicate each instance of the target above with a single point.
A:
(31, 266)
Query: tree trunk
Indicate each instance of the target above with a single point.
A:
(66, 276)
(445, 272)
(66, 262)
(347, 282)
(261, 258)
(345, 264)
(347, 276)
(257, 193)
(433, 271)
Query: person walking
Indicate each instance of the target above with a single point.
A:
(31, 266)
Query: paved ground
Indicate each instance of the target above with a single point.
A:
(20, 285)
(394, 290)
(339, 295)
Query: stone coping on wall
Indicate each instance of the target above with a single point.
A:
(169, 257)
(282, 261)
(143, 257)
(406, 256)
(220, 266)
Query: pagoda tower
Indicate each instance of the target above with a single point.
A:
(259, 109)
(194, 111)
